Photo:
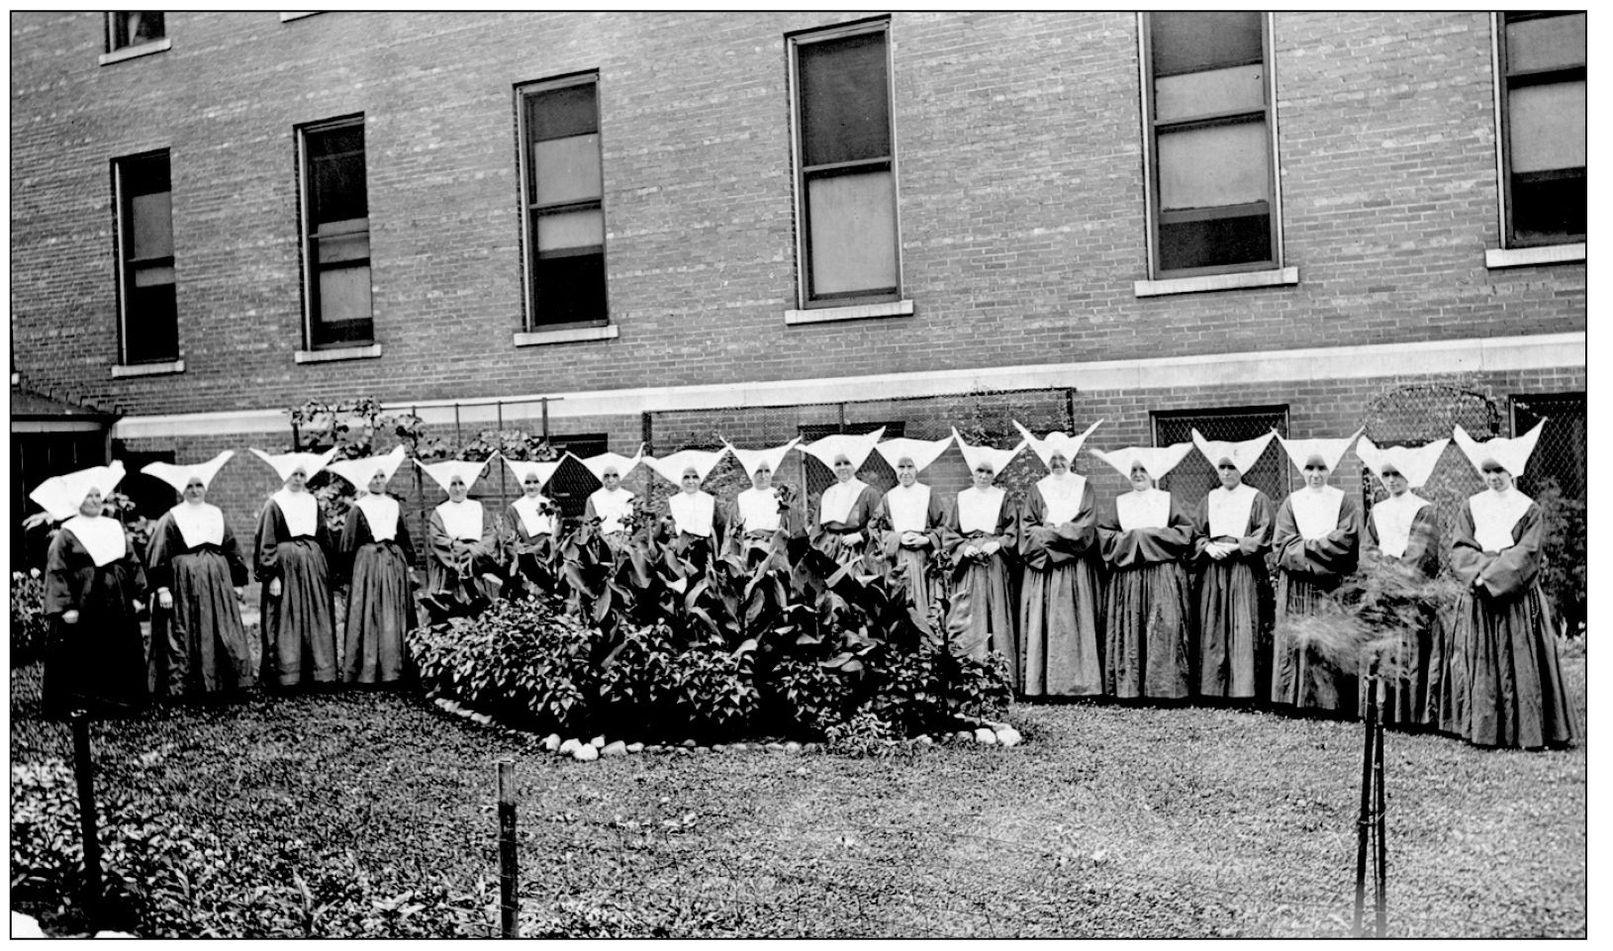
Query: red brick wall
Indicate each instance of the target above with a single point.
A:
(1021, 198)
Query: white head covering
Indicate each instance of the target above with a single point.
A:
(288, 462)
(443, 473)
(1056, 441)
(1156, 460)
(180, 476)
(700, 460)
(361, 471)
(610, 460)
(1243, 454)
(855, 448)
(1416, 463)
(998, 459)
(545, 470)
(1512, 454)
(62, 495)
(1330, 451)
(751, 459)
(921, 451)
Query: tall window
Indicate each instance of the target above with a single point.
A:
(1209, 137)
(336, 234)
(150, 319)
(845, 166)
(124, 30)
(563, 189)
(1543, 108)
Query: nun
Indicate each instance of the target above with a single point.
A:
(95, 659)
(534, 527)
(981, 536)
(462, 570)
(291, 550)
(1318, 543)
(841, 529)
(198, 642)
(912, 517)
(1232, 529)
(694, 527)
(376, 559)
(759, 513)
(1060, 611)
(1145, 538)
(1501, 683)
(1404, 529)
(610, 504)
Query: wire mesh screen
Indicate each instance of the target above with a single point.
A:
(1420, 414)
(1560, 454)
(1194, 476)
(572, 483)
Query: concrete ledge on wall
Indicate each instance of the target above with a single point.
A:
(339, 353)
(1525, 257)
(1203, 283)
(148, 369)
(539, 338)
(823, 315)
(132, 52)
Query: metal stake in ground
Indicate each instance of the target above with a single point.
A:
(1365, 820)
(508, 874)
(84, 769)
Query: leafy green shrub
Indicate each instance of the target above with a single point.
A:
(29, 627)
(1562, 563)
(716, 689)
(865, 734)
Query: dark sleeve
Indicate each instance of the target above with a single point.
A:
(1201, 527)
(322, 536)
(355, 534)
(1287, 542)
(404, 540)
(1513, 571)
(1422, 547)
(1080, 534)
(1337, 552)
(63, 586)
(132, 564)
(1150, 545)
(1369, 535)
(935, 521)
(1468, 558)
(232, 555)
(166, 542)
(266, 543)
(1258, 539)
(862, 512)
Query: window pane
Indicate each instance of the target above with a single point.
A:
(1217, 92)
(144, 176)
(562, 113)
(572, 229)
(131, 28)
(152, 226)
(853, 233)
(1215, 242)
(336, 174)
(153, 276)
(344, 294)
(1548, 208)
(151, 327)
(1185, 42)
(1546, 43)
(567, 169)
(569, 289)
(1214, 167)
(845, 100)
(1547, 126)
(343, 248)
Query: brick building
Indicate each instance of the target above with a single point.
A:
(675, 225)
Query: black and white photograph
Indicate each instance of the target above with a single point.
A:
(771, 474)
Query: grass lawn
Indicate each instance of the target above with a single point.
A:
(1108, 822)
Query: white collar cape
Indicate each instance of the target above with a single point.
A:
(532, 517)
(1316, 511)
(1062, 497)
(909, 507)
(462, 520)
(837, 500)
(1229, 509)
(299, 509)
(758, 509)
(1494, 516)
(381, 514)
(693, 514)
(979, 509)
(1147, 509)
(1392, 517)
(100, 535)
(610, 506)
(199, 524)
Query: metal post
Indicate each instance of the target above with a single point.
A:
(544, 405)
(503, 497)
(1365, 819)
(423, 546)
(459, 441)
(1382, 895)
(508, 874)
(84, 769)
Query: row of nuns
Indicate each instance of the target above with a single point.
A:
(1180, 608)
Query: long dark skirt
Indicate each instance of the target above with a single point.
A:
(1301, 676)
(202, 640)
(99, 663)
(1059, 624)
(1232, 628)
(299, 628)
(1147, 651)
(380, 611)
(1499, 679)
(983, 605)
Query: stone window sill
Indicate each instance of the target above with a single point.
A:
(288, 17)
(539, 338)
(370, 352)
(822, 315)
(148, 369)
(1204, 283)
(132, 52)
(1525, 257)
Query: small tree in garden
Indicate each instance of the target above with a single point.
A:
(1563, 554)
